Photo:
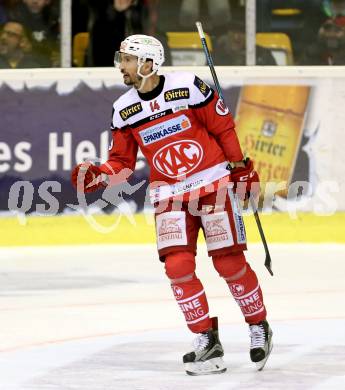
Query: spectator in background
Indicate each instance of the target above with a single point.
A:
(216, 17)
(41, 19)
(15, 47)
(163, 17)
(110, 21)
(329, 47)
(181, 15)
(232, 45)
(223, 20)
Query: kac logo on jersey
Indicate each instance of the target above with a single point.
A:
(131, 110)
(221, 108)
(178, 158)
(176, 94)
(165, 129)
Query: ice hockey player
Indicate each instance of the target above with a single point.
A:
(198, 172)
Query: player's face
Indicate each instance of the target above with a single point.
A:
(128, 66)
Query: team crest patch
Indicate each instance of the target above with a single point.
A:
(176, 94)
(221, 108)
(178, 291)
(237, 289)
(131, 110)
(202, 86)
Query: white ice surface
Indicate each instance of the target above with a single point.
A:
(103, 317)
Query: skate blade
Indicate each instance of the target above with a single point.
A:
(209, 367)
(261, 364)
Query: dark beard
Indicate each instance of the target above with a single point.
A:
(137, 83)
(129, 82)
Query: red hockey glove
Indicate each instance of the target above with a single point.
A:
(246, 180)
(84, 174)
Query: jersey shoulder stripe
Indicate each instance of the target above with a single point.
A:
(204, 102)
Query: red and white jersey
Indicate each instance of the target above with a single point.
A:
(183, 129)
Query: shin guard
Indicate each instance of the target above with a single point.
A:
(248, 295)
(192, 300)
(243, 284)
(188, 290)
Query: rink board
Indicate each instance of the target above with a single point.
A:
(289, 121)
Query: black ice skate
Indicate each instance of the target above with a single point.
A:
(261, 343)
(207, 355)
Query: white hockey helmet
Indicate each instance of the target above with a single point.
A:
(144, 47)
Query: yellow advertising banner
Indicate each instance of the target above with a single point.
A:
(270, 123)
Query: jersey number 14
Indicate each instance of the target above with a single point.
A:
(154, 106)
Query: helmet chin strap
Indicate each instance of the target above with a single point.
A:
(144, 77)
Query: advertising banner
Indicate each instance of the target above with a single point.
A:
(50, 122)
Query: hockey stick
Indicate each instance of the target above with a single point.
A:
(268, 261)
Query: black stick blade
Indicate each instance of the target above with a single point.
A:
(268, 263)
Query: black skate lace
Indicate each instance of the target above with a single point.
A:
(257, 336)
(201, 342)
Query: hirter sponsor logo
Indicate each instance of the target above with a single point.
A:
(165, 129)
(176, 94)
(178, 292)
(269, 128)
(178, 158)
(130, 111)
(221, 108)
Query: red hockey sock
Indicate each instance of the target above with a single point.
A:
(192, 300)
(188, 290)
(243, 284)
(248, 295)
